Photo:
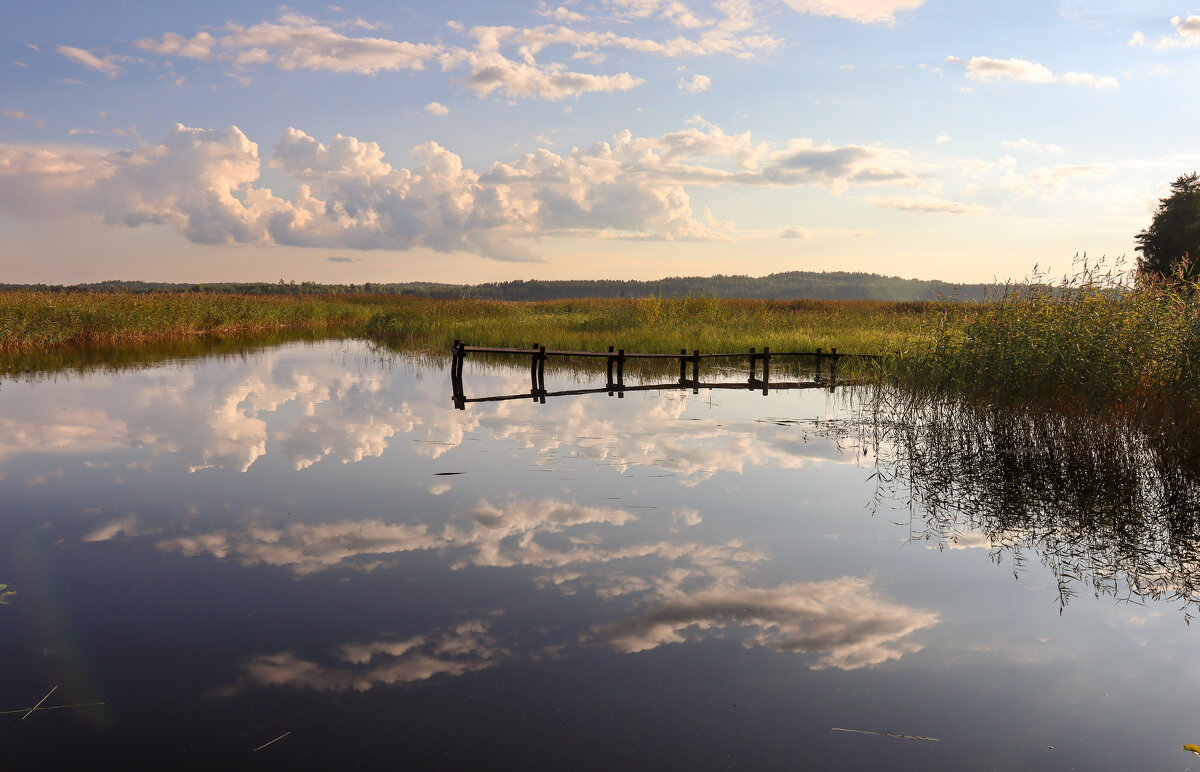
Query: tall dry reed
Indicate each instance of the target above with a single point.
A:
(1100, 342)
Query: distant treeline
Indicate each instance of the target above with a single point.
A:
(793, 285)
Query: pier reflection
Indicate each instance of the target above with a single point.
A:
(620, 389)
(759, 363)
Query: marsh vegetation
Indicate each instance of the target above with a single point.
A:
(54, 328)
(1096, 344)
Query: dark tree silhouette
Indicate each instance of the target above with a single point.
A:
(1173, 239)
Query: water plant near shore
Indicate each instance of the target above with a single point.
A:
(1097, 343)
(38, 321)
(1100, 342)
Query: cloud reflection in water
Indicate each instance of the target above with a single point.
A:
(385, 662)
(843, 619)
(308, 411)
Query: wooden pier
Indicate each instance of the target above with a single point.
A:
(759, 370)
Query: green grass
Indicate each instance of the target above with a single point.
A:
(39, 321)
(1092, 345)
(653, 324)
(49, 330)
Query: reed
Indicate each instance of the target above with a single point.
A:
(1096, 343)
(38, 321)
(652, 324)
(50, 330)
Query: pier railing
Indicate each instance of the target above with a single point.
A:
(759, 370)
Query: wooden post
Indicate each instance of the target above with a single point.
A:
(766, 379)
(621, 373)
(533, 373)
(456, 385)
(682, 365)
(609, 359)
(541, 373)
(696, 371)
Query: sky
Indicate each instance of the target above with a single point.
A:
(470, 141)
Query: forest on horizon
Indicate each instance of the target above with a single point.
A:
(792, 285)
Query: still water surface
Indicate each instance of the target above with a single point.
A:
(309, 545)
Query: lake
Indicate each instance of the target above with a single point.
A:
(305, 557)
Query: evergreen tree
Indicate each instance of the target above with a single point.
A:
(1173, 238)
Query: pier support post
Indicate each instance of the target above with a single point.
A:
(533, 381)
(541, 374)
(682, 366)
(609, 381)
(621, 373)
(695, 371)
(766, 360)
(456, 384)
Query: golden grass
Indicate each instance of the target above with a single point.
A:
(653, 325)
(38, 321)
(1094, 344)
(38, 326)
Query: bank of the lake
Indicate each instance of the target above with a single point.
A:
(38, 324)
(1093, 344)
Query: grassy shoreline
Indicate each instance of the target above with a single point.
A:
(32, 321)
(37, 323)
(1091, 346)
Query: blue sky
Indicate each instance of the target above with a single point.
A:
(478, 141)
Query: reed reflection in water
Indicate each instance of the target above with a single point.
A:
(1101, 505)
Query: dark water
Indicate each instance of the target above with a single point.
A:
(311, 546)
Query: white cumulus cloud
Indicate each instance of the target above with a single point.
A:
(172, 44)
(294, 41)
(558, 13)
(1088, 79)
(492, 71)
(1187, 32)
(206, 184)
(864, 11)
(697, 84)
(989, 70)
(106, 65)
(503, 60)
